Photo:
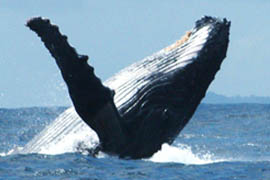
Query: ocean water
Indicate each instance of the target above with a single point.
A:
(229, 141)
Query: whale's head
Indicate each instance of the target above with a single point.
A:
(166, 87)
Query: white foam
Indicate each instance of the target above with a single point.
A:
(3, 154)
(182, 154)
(10, 151)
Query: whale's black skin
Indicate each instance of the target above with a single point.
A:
(168, 88)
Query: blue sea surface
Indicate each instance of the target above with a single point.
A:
(226, 141)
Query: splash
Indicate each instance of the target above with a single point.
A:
(3, 154)
(182, 154)
(11, 151)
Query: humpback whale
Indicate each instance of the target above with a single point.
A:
(146, 104)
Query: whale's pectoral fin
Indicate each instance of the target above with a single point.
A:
(92, 101)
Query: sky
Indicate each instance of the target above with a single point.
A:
(117, 33)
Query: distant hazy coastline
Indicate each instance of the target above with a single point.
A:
(210, 98)
(213, 98)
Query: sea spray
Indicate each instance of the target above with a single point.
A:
(182, 154)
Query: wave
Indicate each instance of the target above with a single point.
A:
(180, 153)
(11, 151)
